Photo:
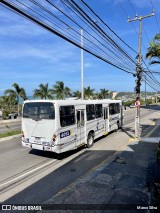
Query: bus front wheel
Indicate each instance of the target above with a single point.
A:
(90, 140)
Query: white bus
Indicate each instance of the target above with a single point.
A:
(62, 125)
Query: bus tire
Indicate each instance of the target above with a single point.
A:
(90, 140)
(119, 125)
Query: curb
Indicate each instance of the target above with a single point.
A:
(9, 121)
(9, 137)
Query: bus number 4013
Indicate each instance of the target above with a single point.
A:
(65, 134)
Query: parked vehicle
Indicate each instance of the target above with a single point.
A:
(13, 115)
(62, 125)
(132, 106)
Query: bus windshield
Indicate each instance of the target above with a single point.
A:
(39, 110)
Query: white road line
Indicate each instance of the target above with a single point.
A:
(24, 149)
(27, 173)
(151, 140)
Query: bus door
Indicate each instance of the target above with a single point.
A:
(106, 120)
(80, 127)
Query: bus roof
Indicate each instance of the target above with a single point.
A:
(75, 102)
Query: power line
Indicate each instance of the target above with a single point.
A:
(47, 26)
(155, 16)
(132, 7)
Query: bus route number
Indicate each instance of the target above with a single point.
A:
(65, 134)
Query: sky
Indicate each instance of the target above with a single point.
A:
(30, 55)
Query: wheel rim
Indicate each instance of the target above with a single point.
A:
(90, 141)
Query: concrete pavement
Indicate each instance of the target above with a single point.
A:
(118, 184)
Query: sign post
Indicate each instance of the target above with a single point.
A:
(137, 118)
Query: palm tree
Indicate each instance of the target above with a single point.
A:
(88, 93)
(16, 93)
(8, 103)
(60, 90)
(77, 94)
(154, 50)
(104, 93)
(43, 92)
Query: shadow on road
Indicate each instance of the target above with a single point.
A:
(125, 183)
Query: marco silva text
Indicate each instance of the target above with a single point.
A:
(147, 207)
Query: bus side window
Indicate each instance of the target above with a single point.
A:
(90, 112)
(82, 118)
(67, 115)
(78, 118)
(112, 109)
(105, 110)
(117, 108)
(98, 110)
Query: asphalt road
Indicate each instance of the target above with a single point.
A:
(32, 176)
(11, 126)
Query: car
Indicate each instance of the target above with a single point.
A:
(13, 115)
(132, 106)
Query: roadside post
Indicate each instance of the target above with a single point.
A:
(137, 121)
(139, 69)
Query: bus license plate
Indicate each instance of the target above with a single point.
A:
(37, 141)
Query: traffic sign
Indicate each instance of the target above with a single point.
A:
(137, 103)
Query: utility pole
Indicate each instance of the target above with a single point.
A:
(139, 70)
(145, 92)
(82, 67)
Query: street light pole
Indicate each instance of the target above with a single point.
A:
(82, 66)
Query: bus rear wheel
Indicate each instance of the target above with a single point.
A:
(90, 140)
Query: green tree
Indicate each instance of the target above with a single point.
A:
(16, 93)
(154, 50)
(77, 94)
(88, 93)
(104, 93)
(43, 92)
(61, 91)
(8, 104)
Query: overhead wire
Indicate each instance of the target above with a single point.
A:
(100, 53)
(124, 11)
(47, 17)
(115, 52)
(56, 32)
(108, 27)
(99, 30)
(153, 78)
(155, 16)
(78, 25)
(58, 27)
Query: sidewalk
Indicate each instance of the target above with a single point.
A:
(116, 184)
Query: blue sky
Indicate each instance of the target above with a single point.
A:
(30, 55)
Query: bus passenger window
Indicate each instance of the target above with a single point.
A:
(98, 110)
(82, 118)
(67, 115)
(117, 107)
(78, 118)
(90, 112)
(111, 109)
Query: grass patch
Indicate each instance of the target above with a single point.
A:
(7, 134)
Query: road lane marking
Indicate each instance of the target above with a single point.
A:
(27, 173)
(154, 129)
(25, 149)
